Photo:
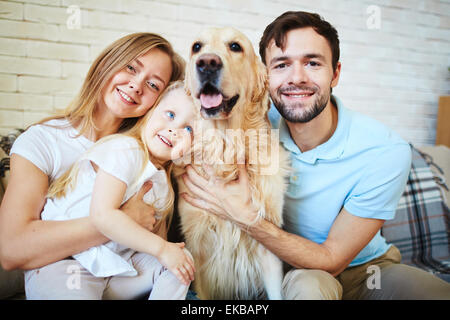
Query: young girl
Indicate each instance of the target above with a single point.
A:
(106, 176)
(122, 84)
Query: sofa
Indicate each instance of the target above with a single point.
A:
(420, 229)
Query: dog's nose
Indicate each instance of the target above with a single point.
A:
(208, 63)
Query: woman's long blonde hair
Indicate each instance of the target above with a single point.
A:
(114, 58)
(67, 181)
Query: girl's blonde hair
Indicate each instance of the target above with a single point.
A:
(67, 181)
(114, 58)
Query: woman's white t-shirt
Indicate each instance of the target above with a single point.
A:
(52, 147)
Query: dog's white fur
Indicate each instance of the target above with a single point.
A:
(229, 263)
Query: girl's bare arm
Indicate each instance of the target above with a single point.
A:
(112, 222)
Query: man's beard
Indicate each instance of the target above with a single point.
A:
(298, 112)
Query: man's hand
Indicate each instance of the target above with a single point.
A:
(140, 211)
(230, 201)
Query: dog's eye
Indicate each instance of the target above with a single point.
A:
(196, 47)
(235, 47)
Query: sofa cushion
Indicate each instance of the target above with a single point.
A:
(11, 284)
(421, 226)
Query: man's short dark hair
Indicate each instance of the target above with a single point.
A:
(290, 20)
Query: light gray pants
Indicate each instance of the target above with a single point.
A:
(68, 280)
(395, 281)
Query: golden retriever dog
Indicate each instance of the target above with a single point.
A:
(229, 85)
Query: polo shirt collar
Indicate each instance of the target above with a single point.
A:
(332, 149)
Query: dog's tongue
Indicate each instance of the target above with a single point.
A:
(210, 100)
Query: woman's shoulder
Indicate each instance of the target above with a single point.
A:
(58, 122)
(62, 132)
(52, 146)
(51, 127)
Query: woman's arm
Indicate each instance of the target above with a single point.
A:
(26, 241)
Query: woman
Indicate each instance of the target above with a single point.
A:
(122, 84)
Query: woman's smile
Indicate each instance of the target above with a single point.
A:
(125, 98)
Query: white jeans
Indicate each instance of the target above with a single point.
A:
(68, 280)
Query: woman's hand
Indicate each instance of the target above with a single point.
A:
(230, 201)
(177, 261)
(138, 210)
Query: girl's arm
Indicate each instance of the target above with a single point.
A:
(27, 242)
(113, 223)
(107, 217)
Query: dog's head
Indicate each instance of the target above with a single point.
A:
(224, 74)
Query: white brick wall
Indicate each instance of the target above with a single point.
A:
(394, 74)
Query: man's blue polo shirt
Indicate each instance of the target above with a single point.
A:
(363, 167)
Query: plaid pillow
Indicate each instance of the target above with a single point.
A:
(421, 227)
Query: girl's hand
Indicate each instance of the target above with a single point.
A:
(177, 261)
(140, 211)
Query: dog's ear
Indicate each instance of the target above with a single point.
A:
(261, 81)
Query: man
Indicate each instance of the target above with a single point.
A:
(349, 173)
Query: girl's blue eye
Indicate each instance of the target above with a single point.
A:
(131, 68)
(154, 86)
(189, 129)
(170, 114)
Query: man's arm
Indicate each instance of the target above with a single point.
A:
(348, 235)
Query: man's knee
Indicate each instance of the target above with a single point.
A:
(399, 281)
(304, 284)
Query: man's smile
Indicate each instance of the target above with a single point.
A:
(297, 94)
